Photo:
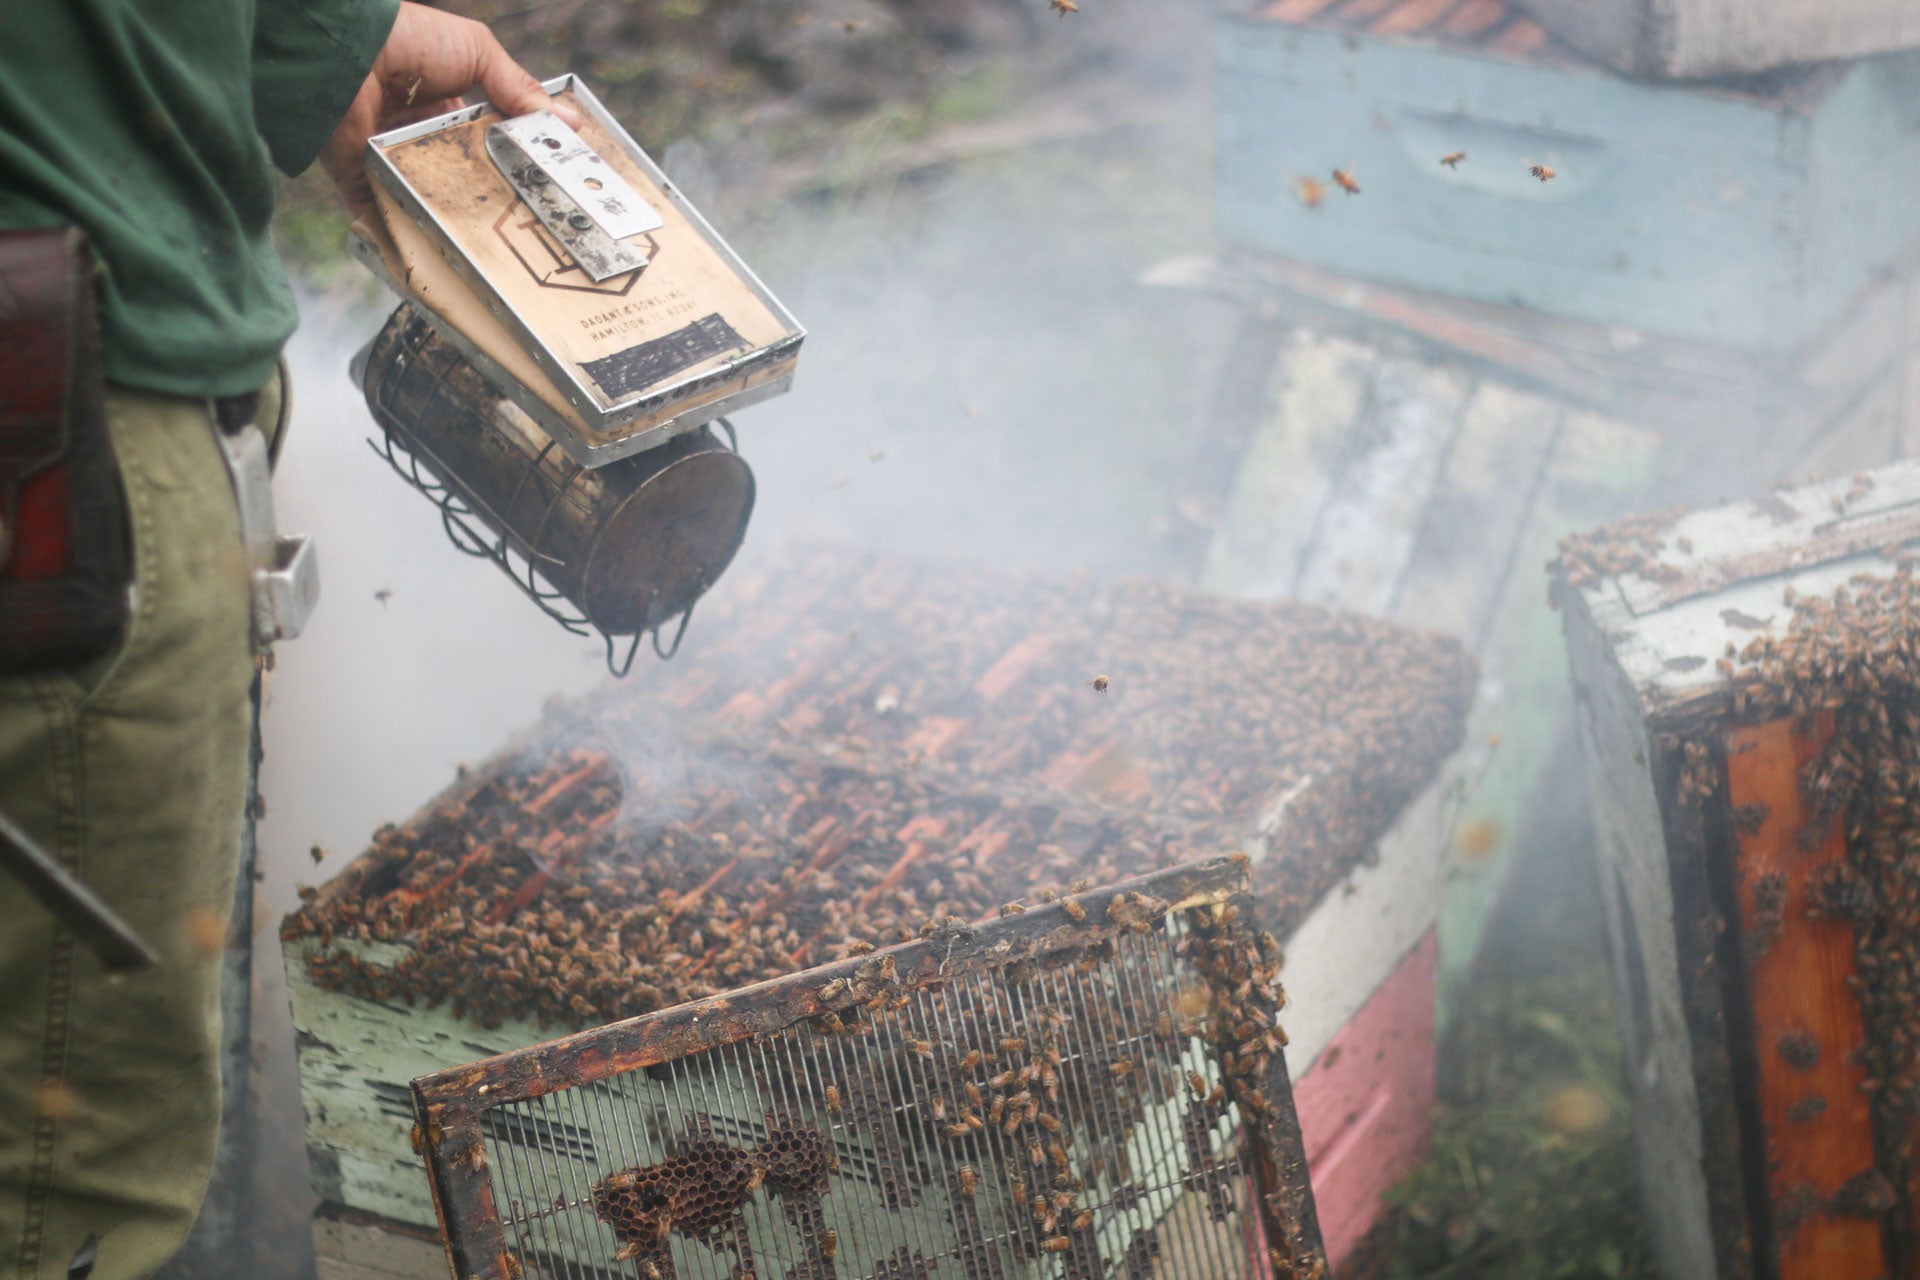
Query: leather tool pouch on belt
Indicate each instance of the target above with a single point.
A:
(64, 557)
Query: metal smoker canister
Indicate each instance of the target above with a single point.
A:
(629, 545)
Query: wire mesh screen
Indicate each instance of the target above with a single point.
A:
(1070, 1092)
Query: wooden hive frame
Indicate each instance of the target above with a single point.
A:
(1086, 932)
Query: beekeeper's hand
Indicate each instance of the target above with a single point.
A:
(430, 59)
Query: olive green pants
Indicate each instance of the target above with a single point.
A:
(133, 771)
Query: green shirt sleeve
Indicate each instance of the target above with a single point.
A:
(309, 59)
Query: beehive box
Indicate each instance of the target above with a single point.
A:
(1683, 39)
(1748, 705)
(1751, 215)
(868, 745)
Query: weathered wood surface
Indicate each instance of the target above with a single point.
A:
(1439, 518)
(1797, 986)
(1693, 39)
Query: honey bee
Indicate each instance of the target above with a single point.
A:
(939, 1108)
(833, 1099)
(1122, 1068)
(650, 1269)
(1074, 910)
(969, 1180)
(1098, 684)
(1063, 7)
(1083, 1220)
(1057, 1244)
(1541, 171)
(922, 1047)
(1346, 182)
(972, 1121)
(1198, 1083)
(955, 1130)
(859, 947)
(971, 1061)
(1311, 190)
(1453, 158)
(1047, 1121)
(1012, 1044)
(755, 1178)
(317, 854)
(1011, 909)
(829, 1244)
(973, 1092)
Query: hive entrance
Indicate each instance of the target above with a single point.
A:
(1039, 1096)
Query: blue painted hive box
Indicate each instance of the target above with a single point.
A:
(1745, 213)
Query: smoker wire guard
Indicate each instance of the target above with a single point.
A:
(450, 1106)
(468, 529)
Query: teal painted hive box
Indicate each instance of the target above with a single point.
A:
(1748, 213)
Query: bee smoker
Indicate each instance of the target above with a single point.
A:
(620, 549)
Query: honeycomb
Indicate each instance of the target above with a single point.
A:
(796, 1157)
(699, 1189)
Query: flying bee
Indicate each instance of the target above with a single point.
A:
(1344, 179)
(1453, 158)
(1311, 191)
(1074, 910)
(1541, 171)
(1099, 683)
(1063, 7)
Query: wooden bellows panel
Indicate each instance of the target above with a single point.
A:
(1087, 1088)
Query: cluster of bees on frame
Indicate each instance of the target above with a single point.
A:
(999, 1075)
(1851, 656)
(558, 887)
(1629, 546)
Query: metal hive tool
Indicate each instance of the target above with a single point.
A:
(1090, 1088)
